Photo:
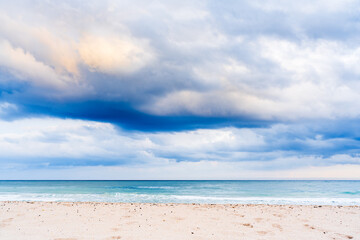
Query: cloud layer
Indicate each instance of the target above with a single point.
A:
(50, 144)
(268, 85)
(244, 59)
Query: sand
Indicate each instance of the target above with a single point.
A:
(70, 221)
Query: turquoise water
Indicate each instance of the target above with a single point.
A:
(265, 192)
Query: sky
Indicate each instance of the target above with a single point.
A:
(143, 89)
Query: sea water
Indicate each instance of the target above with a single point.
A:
(241, 192)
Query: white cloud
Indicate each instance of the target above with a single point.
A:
(271, 60)
(45, 42)
(7, 108)
(50, 54)
(114, 55)
(314, 79)
(235, 153)
(56, 138)
(196, 58)
(25, 67)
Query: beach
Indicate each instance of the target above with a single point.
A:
(94, 220)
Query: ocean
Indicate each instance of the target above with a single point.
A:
(235, 192)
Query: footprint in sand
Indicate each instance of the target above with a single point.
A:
(345, 236)
(115, 237)
(307, 225)
(5, 222)
(277, 226)
(248, 225)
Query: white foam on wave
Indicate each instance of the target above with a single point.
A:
(156, 187)
(160, 198)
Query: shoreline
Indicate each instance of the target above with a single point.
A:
(175, 203)
(107, 220)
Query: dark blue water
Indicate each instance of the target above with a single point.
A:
(267, 192)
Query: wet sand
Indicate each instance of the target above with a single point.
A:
(145, 221)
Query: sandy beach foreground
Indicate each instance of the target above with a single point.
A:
(70, 221)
